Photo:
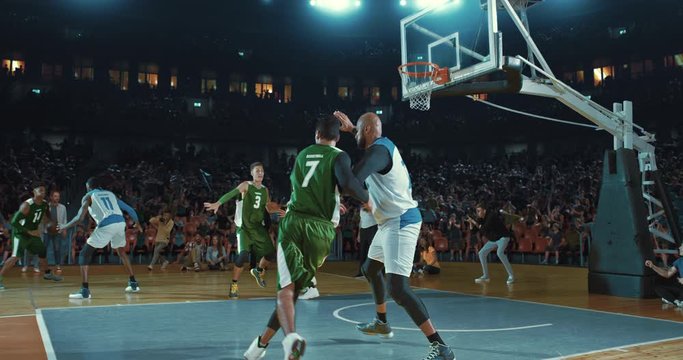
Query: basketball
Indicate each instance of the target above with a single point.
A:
(52, 228)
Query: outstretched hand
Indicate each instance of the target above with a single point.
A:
(345, 123)
(212, 206)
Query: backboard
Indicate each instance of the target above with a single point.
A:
(459, 34)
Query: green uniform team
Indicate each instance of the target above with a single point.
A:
(252, 235)
(26, 233)
(307, 231)
(23, 224)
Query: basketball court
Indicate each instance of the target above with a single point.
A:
(546, 314)
(462, 48)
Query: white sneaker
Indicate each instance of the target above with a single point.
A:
(164, 265)
(83, 293)
(294, 346)
(665, 301)
(482, 279)
(24, 269)
(36, 270)
(679, 303)
(511, 280)
(309, 293)
(255, 352)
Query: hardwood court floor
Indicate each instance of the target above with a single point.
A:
(565, 286)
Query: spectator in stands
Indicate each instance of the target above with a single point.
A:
(572, 239)
(56, 239)
(671, 292)
(348, 242)
(231, 239)
(164, 226)
(5, 248)
(454, 236)
(556, 241)
(471, 239)
(191, 254)
(429, 263)
(216, 257)
(78, 242)
(491, 225)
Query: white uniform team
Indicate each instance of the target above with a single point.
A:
(396, 213)
(111, 225)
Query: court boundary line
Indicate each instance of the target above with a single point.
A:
(336, 314)
(616, 348)
(45, 336)
(15, 316)
(556, 305)
(75, 307)
(532, 302)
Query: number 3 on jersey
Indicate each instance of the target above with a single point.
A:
(257, 201)
(309, 174)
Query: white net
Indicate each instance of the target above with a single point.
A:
(418, 84)
(421, 98)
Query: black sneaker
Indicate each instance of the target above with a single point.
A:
(439, 352)
(376, 327)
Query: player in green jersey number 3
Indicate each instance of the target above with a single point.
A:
(250, 217)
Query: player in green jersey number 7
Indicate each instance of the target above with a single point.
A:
(321, 173)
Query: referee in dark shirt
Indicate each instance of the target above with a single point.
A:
(492, 226)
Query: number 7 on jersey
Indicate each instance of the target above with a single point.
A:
(309, 174)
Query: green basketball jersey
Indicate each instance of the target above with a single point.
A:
(35, 215)
(314, 189)
(251, 207)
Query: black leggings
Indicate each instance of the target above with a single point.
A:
(431, 270)
(670, 291)
(398, 288)
(366, 236)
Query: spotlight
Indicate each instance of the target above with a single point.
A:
(403, 3)
(336, 5)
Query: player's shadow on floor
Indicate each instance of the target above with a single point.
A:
(347, 341)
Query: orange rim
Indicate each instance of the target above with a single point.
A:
(419, 74)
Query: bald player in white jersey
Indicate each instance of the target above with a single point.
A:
(107, 211)
(399, 221)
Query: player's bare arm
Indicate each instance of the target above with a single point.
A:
(82, 213)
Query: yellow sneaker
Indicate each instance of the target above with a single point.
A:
(234, 291)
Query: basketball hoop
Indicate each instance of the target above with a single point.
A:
(419, 78)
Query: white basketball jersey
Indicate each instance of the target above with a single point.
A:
(104, 204)
(391, 193)
(366, 219)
